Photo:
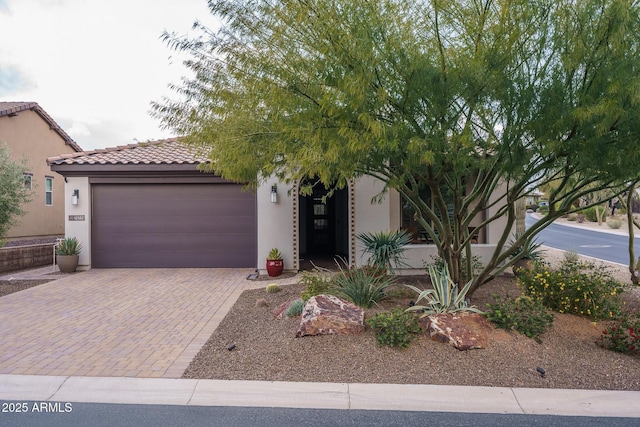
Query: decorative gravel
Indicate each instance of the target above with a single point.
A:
(266, 349)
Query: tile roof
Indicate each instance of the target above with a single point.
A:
(161, 152)
(11, 109)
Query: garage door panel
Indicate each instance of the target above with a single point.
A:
(136, 225)
(173, 225)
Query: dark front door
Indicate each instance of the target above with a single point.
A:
(324, 225)
(321, 223)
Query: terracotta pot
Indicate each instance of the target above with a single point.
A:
(67, 263)
(275, 267)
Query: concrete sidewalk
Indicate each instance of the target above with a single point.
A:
(430, 398)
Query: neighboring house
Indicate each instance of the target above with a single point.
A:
(31, 134)
(148, 205)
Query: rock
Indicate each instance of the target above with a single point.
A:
(328, 314)
(463, 330)
(261, 302)
(281, 311)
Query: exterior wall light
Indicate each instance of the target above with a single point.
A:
(274, 194)
(74, 197)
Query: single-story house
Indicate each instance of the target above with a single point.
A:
(32, 134)
(148, 205)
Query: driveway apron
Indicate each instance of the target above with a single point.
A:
(117, 322)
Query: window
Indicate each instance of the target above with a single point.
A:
(28, 181)
(48, 191)
(408, 216)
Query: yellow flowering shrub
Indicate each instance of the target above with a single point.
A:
(580, 288)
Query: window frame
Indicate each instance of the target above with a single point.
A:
(48, 191)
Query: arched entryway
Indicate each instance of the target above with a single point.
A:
(323, 222)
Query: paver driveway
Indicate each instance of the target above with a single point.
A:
(117, 322)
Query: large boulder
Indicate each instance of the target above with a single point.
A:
(463, 330)
(328, 314)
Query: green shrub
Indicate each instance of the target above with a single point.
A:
(524, 314)
(590, 213)
(315, 284)
(444, 297)
(614, 223)
(544, 209)
(272, 288)
(622, 335)
(395, 328)
(572, 217)
(362, 286)
(577, 287)
(295, 308)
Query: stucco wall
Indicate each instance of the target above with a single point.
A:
(275, 224)
(78, 217)
(28, 135)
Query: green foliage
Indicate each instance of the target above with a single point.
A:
(424, 96)
(591, 215)
(13, 193)
(572, 217)
(544, 209)
(315, 284)
(274, 255)
(69, 246)
(444, 297)
(395, 328)
(295, 308)
(272, 288)
(362, 286)
(526, 315)
(622, 335)
(385, 248)
(580, 288)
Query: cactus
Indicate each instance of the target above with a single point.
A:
(272, 288)
(295, 308)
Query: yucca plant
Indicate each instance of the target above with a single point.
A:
(385, 248)
(445, 297)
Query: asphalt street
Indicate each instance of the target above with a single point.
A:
(97, 415)
(596, 244)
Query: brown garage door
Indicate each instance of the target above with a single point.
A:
(173, 225)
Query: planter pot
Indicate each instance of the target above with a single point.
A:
(67, 263)
(275, 267)
(523, 266)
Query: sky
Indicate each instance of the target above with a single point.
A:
(95, 65)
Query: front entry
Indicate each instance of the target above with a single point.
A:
(324, 232)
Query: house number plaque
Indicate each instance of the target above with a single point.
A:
(76, 217)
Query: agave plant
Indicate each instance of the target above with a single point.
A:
(444, 297)
(385, 248)
(69, 246)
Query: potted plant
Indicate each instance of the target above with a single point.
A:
(526, 255)
(275, 265)
(68, 254)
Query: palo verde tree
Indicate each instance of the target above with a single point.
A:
(13, 192)
(460, 106)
